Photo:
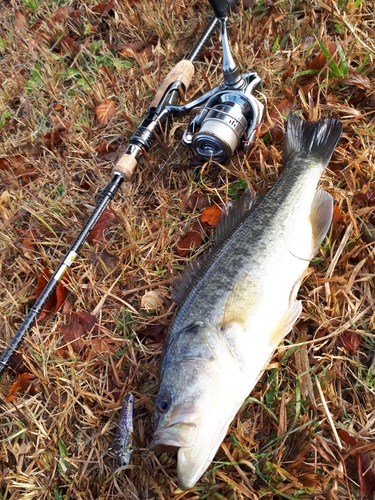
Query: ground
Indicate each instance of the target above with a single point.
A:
(76, 80)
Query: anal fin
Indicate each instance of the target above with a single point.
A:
(320, 217)
(286, 322)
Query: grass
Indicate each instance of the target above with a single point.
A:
(59, 61)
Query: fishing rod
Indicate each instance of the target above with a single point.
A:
(220, 121)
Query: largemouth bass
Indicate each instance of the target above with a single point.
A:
(240, 302)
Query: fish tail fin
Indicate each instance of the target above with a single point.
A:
(314, 139)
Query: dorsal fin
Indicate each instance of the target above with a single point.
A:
(235, 210)
(182, 284)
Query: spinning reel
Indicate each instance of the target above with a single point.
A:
(229, 114)
(227, 118)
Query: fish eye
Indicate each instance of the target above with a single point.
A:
(162, 403)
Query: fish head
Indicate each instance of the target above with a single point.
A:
(199, 394)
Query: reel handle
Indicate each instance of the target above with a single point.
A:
(220, 8)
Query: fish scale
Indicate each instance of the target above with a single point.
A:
(239, 303)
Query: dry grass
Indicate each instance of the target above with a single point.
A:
(56, 439)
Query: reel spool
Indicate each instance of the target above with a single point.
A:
(227, 118)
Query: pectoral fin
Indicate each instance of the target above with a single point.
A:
(241, 301)
(320, 217)
(286, 322)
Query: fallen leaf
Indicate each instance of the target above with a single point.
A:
(276, 118)
(367, 232)
(107, 219)
(154, 332)
(52, 139)
(205, 54)
(105, 262)
(81, 324)
(67, 45)
(20, 20)
(27, 245)
(211, 215)
(318, 62)
(3, 163)
(50, 305)
(56, 300)
(105, 111)
(105, 147)
(195, 201)
(351, 340)
(358, 80)
(103, 8)
(337, 214)
(366, 474)
(17, 365)
(102, 345)
(23, 383)
(129, 50)
(62, 13)
(191, 241)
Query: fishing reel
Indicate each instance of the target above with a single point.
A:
(227, 116)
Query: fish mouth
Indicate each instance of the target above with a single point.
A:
(192, 461)
(179, 438)
(174, 437)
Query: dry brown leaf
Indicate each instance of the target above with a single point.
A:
(105, 262)
(154, 332)
(357, 80)
(351, 340)
(366, 474)
(27, 245)
(320, 60)
(336, 215)
(195, 201)
(102, 345)
(103, 8)
(56, 300)
(211, 215)
(62, 13)
(107, 220)
(105, 147)
(23, 383)
(52, 139)
(192, 240)
(129, 50)
(67, 45)
(367, 232)
(20, 20)
(277, 126)
(81, 324)
(105, 111)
